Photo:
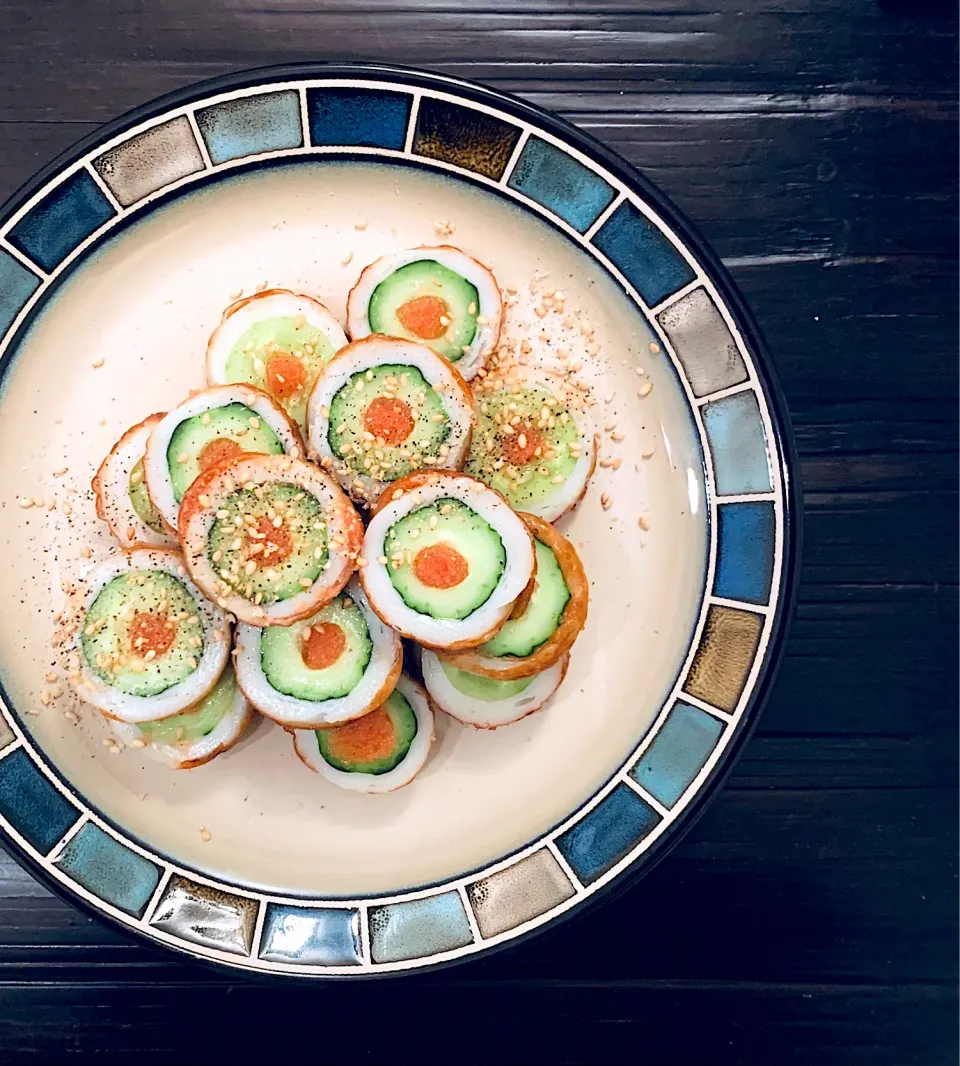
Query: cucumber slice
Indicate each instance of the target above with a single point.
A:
(484, 688)
(392, 309)
(279, 338)
(195, 724)
(136, 613)
(284, 653)
(140, 499)
(373, 744)
(234, 422)
(521, 636)
(285, 559)
(455, 526)
(411, 402)
(504, 454)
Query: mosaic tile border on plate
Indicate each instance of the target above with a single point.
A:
(553, 874)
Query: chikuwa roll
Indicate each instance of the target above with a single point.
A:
(278, 341)
(380, 752)
(534, 442)
(121, 494)
(334, 666)
(542, 634)
(446, 560)
(210, 428)
(439, 296)
(384, 408)
(483, 702)
(269, 538)
(198, 734)
(147, 643)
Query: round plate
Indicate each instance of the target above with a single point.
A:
(115, 265)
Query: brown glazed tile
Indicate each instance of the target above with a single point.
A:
(519, 893)
(723, 660)
(207, 916)
(150, 161)
(464, 137)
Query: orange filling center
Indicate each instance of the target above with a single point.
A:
(151, 632)
(422, 315)
(440, 566)
(218, 450)
(285, 375)
(325, 644)
(521, 447)
(365, 739)
(389, 419)
(277, 543)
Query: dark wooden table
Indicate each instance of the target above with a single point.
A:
(814, 142)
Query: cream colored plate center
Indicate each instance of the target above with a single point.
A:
(146, 305)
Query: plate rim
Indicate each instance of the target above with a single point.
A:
(785, 458)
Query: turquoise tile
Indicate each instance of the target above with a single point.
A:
(642, 254)
(17, 285)
(746, 535)
(250, 125)
(31, 804)
(602, 838)
(419, 928)
(738, 444)
(109, 869)
(678, 752)
(562, 184)
(369, 118)
(323, 936)
(64, 218)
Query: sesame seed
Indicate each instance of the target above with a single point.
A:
(647, 454)
(182, 457)
(645, 390)
(643, 523)
(654, 347)
(299, 320)
(253, 423)
(25, 502)
(205, 835)
(606, 502)
(86, 552)
(306, 582)
(617, 437)
(346, 259)
(557, 479)
(205, 418)
(97, 363)
(361, 225)
(382, 560)
(60, 471)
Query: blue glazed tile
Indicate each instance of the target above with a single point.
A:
(678, 752)
(325, 936)
(642, 254)
(745, 535)
(250, 125)
(31, 804)
(64, 218)
(738, 444)
(17, 285)
(560, 183)
(109, 869)
(368, 118)
(418, 928)
(602, 837)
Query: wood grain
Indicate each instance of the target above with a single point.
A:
(809, 917)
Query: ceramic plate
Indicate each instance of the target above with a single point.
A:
(126, 251)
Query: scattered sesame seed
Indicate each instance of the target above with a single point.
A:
(654, 347)
(345, 261)
(205, 835)
(236, 294)
(97, 363)
(25, 502)
(360, 225)
(182, 457)
(86, 551)
(617, 463)
(60, 471)
(645, 389)
(66, 507)
(306, 582)
(643, 523)
(617, 436)
(647, 454)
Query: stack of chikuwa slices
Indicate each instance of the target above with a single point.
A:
(238, 535)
